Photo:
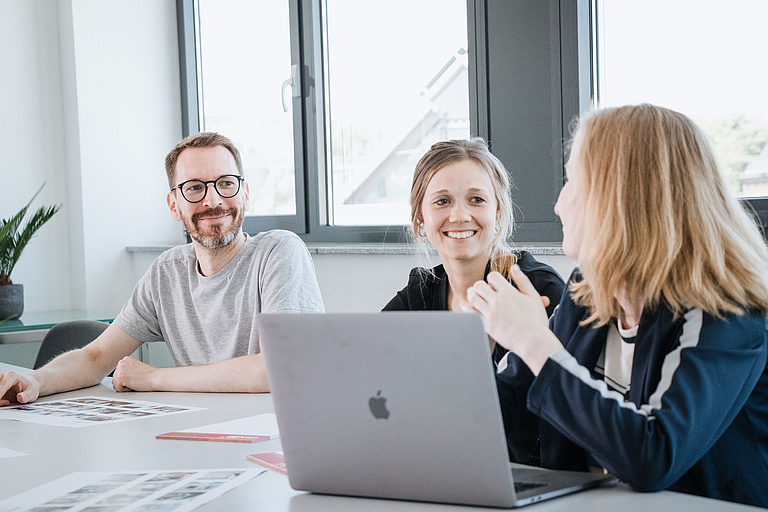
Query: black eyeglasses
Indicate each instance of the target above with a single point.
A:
(194, 191)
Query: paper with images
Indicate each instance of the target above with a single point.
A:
(89, 410)
(178, 491)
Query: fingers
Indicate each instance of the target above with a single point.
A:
(496, 283)
(30, 392)
(478, 293)
(522, 282)
(483, 295)
(117, 376)
(122, 389)
(119, 386)
(5, 387)
(125, 374)
(19, 388)
(10, 386)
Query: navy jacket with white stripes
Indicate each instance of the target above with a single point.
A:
(696, 417)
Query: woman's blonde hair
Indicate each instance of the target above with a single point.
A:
(660, 219)
(449, 152)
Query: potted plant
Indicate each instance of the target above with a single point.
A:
(12, 243)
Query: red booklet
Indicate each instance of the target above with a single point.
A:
(272, 460)
(201, 436)
(252, 429)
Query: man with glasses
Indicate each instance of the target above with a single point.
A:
(201, 298)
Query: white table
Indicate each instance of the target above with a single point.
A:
(58, 451)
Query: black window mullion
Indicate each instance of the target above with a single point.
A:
(528, 86)
(297, 222)
(314, 140)
(186, 30)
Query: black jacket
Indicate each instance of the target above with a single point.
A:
(428, 291)
(695, 420)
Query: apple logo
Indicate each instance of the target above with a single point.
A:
(378, 405)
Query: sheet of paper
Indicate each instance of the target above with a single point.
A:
(6, 453)
(245, 430)
(178, 491)
(89, 410)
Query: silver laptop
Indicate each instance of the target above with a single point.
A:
(396, 405)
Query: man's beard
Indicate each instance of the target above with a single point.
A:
(218, 239)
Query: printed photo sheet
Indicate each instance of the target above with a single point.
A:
(89, 410)
(102, 491)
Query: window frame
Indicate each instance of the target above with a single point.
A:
(757, 207)
(569, 22)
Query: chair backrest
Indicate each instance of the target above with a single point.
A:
(67, 336)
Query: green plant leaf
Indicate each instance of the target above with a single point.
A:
(13, 242)
(39, 218)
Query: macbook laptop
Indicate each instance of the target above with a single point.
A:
(396, 405)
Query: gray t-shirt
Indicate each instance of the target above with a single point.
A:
(204, 320)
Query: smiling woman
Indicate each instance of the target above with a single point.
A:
(461, 204)
(459, 213)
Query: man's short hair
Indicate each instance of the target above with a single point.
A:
(200, 140)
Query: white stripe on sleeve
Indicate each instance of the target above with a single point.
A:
(690, 338)
(569, 363)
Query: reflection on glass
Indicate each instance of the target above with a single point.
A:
(704, 59)
(245, 57)
(397, 83)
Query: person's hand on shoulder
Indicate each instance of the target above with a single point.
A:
(18, 388)
(133, 375)
(515, 318)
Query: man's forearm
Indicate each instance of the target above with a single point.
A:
(246, 374)
(73, 370)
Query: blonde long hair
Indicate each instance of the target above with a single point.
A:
(660, 219)
(449, 152)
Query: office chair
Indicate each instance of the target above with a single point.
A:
(67, 336)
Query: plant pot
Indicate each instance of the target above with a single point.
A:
(11, 301)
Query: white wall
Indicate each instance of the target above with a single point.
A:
(89, 99)
(90, 102)
(362, 283)
(129, 116)
(32, 145)
(365, 283)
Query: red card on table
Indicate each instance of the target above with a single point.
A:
(252, 429)
(272, 460)
(201, 436)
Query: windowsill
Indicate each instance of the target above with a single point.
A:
(555, 249)
(148, 248)
(404, 249)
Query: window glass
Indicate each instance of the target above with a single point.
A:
(706, 59)
(396, 76)
(245, 58)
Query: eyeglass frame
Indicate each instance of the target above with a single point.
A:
(240, 180)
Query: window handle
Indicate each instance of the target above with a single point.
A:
(293, 83)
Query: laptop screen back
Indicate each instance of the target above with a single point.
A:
(390, 405)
